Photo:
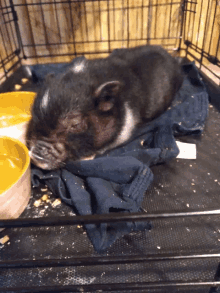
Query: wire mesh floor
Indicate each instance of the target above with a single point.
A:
(179, 186)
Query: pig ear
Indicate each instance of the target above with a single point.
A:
(74, 122)
(105, 94)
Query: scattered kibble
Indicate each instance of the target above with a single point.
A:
(44, 189)
(44, 197)
(24, 80)
(17, 87)
(37, 203)
(56, 202)
(4, 239)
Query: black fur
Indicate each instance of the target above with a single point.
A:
(87, 110)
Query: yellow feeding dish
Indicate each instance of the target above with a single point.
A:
(15, 184)
(15, 112)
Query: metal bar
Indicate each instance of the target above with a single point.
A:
(112, 287)
(217, 48)
(128, 26)
(67, 1)
(44, 24)
(94, 21)
(17, 30)
(86, 21)
(31, 32)
(87, 42)
(95, 219)
(3, 39)
(57, 19)
(190, 18)
(2, 65)
(100, 21)
(194, 15)
(6, 27)
(204, 38)
(149, 21)
(183, 21)
(2, 60)
(108, 25)
(142, 19)
(102, 260)
(212, 27)
(72, 27)
(200, 16)
(205, 55)
(170, 17)
(82, 53)
(9, 59)
(10, 68)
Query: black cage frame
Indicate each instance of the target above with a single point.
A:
(15, 50)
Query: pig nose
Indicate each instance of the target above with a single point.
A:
(34, 153)
(40, 150)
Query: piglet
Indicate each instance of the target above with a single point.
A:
(96, 105)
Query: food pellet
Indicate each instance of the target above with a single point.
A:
(56, 202)
(24, 80)
(43, 189)
(4, 239)
(37, 203)
(17, 87)
(44, 197)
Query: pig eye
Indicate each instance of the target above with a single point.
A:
(75, 125)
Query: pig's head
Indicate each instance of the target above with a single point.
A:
(73, 117)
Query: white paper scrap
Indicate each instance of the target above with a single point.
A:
(187, 150)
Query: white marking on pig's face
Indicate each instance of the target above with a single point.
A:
(45, 100)
(79, 66)
(129, 124)
(36, 159)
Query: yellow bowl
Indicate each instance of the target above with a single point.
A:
(15, 112)
(15, 182)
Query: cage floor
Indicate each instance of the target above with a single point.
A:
(181, 185)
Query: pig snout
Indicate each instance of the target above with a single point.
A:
(48, 156)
